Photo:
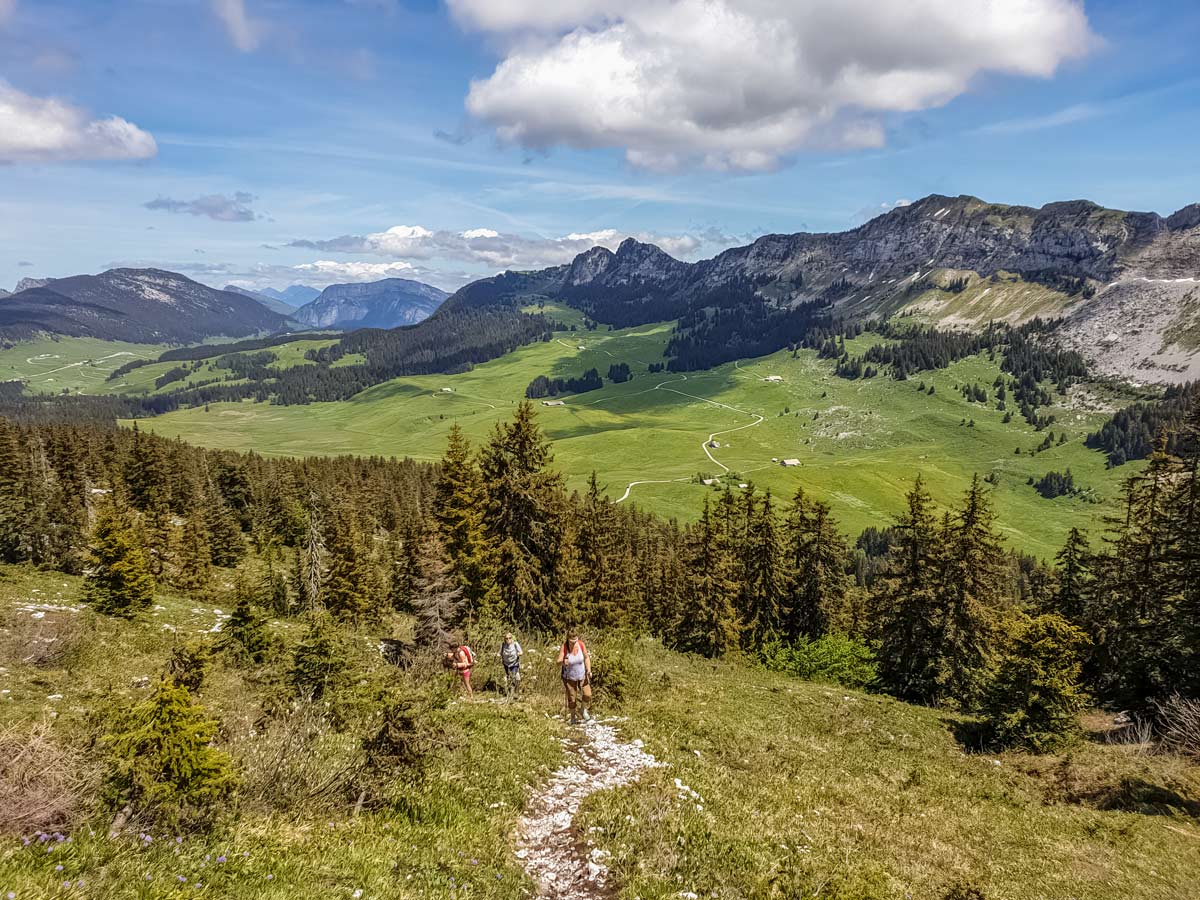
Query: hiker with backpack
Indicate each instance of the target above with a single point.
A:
(461, 658)
(576, 665)
(510, 658)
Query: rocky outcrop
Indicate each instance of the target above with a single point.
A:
(378, 304)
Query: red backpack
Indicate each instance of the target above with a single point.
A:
(466, 651)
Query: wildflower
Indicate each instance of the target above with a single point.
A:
(270, 878)
(58, 868)
(182, 879)
(357, 893)
(220, 859)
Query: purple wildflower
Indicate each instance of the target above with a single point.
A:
(220, 859)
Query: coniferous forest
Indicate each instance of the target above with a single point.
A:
(934, 606)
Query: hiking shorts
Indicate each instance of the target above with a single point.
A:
(577, 690)
(513, 673)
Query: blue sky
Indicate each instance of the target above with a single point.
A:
(267, 142)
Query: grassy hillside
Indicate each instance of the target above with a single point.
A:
(75, 364)
(860, 443)
(773, 787)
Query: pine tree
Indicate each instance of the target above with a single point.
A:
(163, 764)
(458, 509)
(437, 600)
(117, 580)
(707, 622)
(1035, 699)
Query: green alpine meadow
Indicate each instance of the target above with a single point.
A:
(674, 450)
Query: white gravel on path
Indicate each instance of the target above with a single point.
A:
(551, 849)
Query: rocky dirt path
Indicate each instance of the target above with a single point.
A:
(558, 858)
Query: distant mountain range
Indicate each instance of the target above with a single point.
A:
(379, 304)
(295, 295)
(270, 302)
(1126, 285)
(138, 305)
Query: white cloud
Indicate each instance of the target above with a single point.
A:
(327, 271)
(34, 129)
(490, 248)
(738, 84)
(245, 31)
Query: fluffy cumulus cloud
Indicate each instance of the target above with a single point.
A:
(215, 206)
(37, 129)
(326, 271)
(493, 249)
(738, 84)
(245, 31)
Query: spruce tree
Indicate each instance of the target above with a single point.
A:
(906, 602)
(117, 581)
(437, 599)
(458, 508)
(816, 559)
(765, 582)
(162, 762)
(971, 595)
(521, 518)
(319, 661)
(345, 591)
(707, 620)
(226, 543)
(404, 571)
(1035, 699)
(244, 634)
(15, 490)
(1072, 571)
(192, 557)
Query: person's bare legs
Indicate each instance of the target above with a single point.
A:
(466, 677)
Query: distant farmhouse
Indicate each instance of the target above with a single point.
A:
(774, 379)
(789, 462)
(554, 403)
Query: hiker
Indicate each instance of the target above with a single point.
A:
(510, 657)
(461, 659)
(576, 665)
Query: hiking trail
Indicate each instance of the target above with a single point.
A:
(560, 860)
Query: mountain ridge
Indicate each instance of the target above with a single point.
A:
(956, 262)
(135, 305)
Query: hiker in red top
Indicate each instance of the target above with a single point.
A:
(461, 659)
(576, 665)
